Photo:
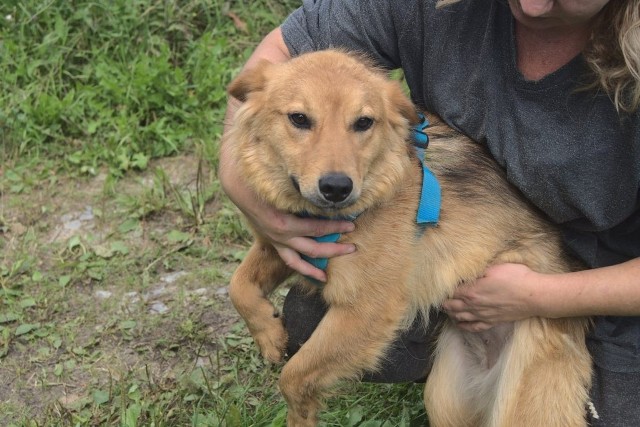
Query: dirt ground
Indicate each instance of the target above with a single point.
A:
(110, 282)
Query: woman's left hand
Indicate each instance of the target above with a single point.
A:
(505, 293)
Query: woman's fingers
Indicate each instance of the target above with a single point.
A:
(294, 261)
(291, 226)
(313, 249)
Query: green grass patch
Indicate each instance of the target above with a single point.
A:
(120, 82)
(116, 243)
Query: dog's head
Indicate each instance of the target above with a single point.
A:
(324, 133)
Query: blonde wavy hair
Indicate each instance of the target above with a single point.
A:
(613, 52)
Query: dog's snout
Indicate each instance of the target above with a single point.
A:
(335, 187)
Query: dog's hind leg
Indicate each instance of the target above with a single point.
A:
(258, 274)
(348, 341)
(547, 368)
(547, 375)
(447, 396)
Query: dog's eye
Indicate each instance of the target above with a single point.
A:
(300, 120)
(362, 124)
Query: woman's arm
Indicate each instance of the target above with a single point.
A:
(509, 292)
(287, 233)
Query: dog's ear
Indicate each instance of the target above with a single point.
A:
(251, 80)
(402, 104)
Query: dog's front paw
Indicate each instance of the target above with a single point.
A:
(272, 340)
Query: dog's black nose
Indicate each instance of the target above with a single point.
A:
(335, 187)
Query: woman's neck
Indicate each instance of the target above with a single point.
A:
(543, 51)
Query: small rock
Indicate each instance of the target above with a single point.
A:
(172, 277)
(156, 292)
(132, 297)
(73, 225)
(103, 294)
(159, 308)
(87, 215)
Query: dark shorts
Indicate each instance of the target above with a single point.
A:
(615, 397)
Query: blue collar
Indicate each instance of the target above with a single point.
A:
(430, 196)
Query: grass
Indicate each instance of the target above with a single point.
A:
(116, 243)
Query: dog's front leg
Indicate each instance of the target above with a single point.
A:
(258, 274)
(348, 341)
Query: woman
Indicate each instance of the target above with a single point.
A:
(552, 87)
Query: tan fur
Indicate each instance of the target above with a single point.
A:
(531, 373)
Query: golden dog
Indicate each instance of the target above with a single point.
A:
(327, 134)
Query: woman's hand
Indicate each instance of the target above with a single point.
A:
(505, 293)
(509, 292)
(290, 236)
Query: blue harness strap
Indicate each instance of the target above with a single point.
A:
(322, 263)
(430, 196)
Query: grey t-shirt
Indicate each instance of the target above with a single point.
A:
(568, 150)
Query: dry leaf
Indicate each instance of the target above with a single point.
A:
(237, 22)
